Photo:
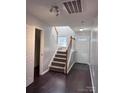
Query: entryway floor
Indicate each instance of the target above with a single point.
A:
(77, 81)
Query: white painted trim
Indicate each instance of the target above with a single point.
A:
(53, 57)
(45, 71)
(83, 63)
(69, 61)
(38, 27)
(90, 55)
(92, 78)
(70, 67)
(41, 47)
(70, 57)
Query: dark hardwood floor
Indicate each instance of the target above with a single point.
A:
(77, 81)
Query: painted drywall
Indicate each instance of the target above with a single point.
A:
(48, 44)
(30, 36)
(94, 48)
(65, 31)
(86, 47)
(82, 46)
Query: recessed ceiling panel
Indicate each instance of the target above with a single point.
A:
(73, 6)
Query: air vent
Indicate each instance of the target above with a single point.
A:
(73, 6)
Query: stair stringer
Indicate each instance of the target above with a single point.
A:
(53, 57)
(68, 63)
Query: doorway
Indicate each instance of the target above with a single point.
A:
(37, 53)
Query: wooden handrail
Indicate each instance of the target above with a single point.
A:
(56, 33)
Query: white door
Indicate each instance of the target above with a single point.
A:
(82, 49)
(30, 43)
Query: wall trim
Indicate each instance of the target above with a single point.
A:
(70, 55)
(83, 63)
(70, 67)
(38, 27)
(91, 75)
(53, 57)
(44, 72)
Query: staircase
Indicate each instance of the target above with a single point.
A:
(59, 61)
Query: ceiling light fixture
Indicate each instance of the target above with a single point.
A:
(81, 29)
(55, 9)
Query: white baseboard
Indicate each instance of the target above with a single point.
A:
(83, 63)
(92, 79)
(45, 71)
(70, 67)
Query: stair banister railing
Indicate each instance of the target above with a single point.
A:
(68, 51)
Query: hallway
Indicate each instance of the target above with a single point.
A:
(77, 81)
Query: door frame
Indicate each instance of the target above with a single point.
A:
(41, 49)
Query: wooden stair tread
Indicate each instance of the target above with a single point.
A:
(58, 62)
(57, 67)
(61, 54)
(61, 50)
(60, 58)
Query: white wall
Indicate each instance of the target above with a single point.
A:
(30, 42)
(82, 44)
(94, 47)
(48, 41)
(65, 31)
(87, 52)
(50, 45)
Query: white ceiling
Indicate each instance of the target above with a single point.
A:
(40, 9)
